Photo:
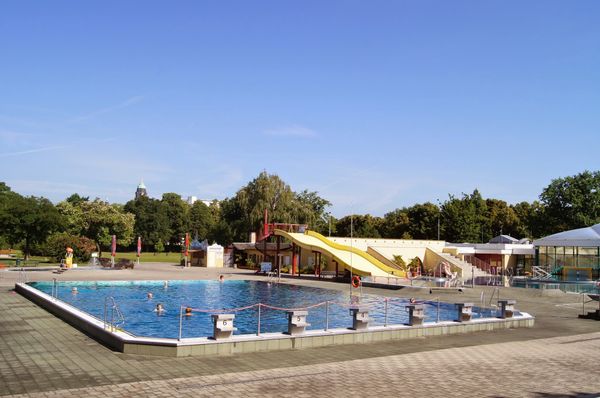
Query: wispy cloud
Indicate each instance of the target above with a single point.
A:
(291, 131)
(9, 136)
(127, 103)
(29, 151)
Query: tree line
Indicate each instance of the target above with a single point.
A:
(37, 226)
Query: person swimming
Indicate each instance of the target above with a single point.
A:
(159, 308)
(413, 300)
(188, 311)
(149, 295)
(221, 278)
(74, 290)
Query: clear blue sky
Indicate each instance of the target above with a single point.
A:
(374, 104)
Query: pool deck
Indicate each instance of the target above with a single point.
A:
(43, 356)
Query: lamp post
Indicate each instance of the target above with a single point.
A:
(438, 220)
(351, 251)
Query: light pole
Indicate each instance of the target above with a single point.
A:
(351, 252)
(439, 214)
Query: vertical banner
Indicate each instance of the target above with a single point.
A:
(187, 247)
(113, 246)
(113, 249)
(139, 246)
(139, 249)
(187, 244)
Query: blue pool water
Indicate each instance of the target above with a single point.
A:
(142, 320)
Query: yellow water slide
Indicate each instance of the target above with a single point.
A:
(359, 261)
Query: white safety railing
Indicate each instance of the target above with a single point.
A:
(390, 305)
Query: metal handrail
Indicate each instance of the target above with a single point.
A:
(114, 310)
(478, 263)
(496, 291)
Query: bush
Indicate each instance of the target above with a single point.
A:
(308, 270)
(56, 245)
(401, 263)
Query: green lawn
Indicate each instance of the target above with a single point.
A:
(45, 261)
(32, 262)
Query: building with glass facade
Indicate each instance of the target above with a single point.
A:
(574, 254)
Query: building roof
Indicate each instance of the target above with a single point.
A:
(141, 185)
(503, 239)
(584, 237)
(259, 246)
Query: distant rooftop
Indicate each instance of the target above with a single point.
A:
(504, 239)
(583, 237)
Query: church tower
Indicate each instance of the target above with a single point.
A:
(141, 190)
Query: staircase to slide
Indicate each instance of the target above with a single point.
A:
(467, 271)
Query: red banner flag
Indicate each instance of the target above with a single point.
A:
(113, 247)
(139, 246)
(187, 243)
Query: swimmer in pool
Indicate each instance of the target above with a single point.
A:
(159, 308)
(149, 295)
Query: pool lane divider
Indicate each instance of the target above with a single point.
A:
(125, 342)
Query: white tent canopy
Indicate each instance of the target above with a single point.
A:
(582, 237)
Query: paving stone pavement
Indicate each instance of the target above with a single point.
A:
(41, 356)
(563, 366)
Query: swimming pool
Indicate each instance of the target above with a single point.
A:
(550, 284)
(142, 320)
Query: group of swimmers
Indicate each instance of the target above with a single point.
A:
(159, 309)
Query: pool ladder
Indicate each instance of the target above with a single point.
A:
(272, 276)
(116, 316)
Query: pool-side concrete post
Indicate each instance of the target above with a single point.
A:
(297, 322)
(416, 314)
(465, 311)
(507, 308)
(223, 326)
(360, 318)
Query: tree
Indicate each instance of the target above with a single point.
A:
(309, 208)
(159, 247)
(464, 220)
(396, 225)
(98, 220)
(6, 197)
(75, 199)
(265, 192)
(235, 226)
(572, 202)
(363, 226)
(502, 218)
(423, 221)
(244, 212)
(151, 221)
(28, 219)
(531, 219)
(177, 212)
(202, 219)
